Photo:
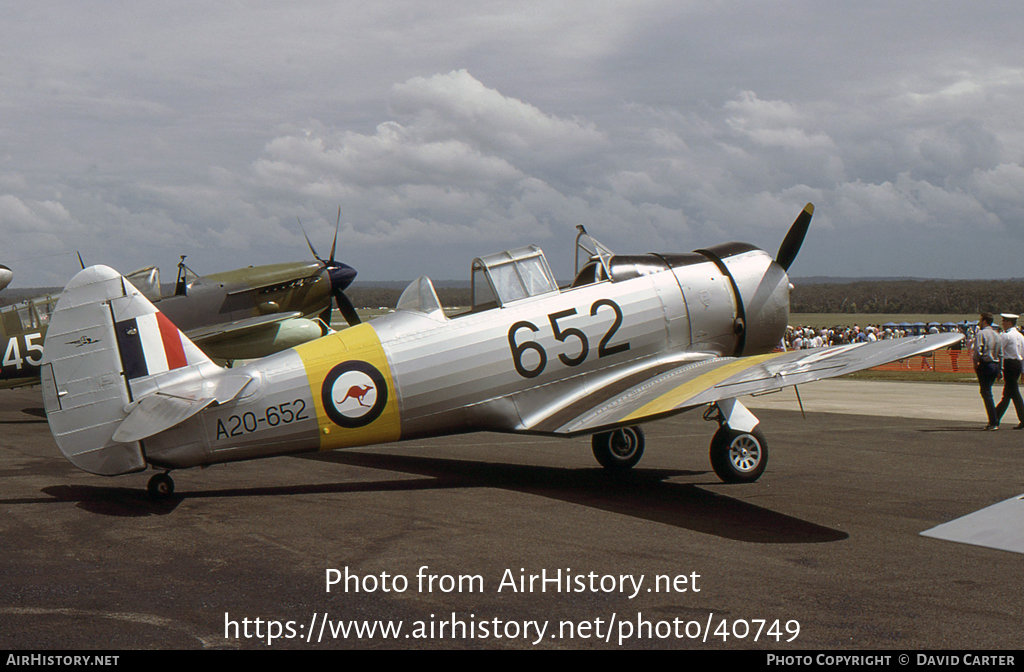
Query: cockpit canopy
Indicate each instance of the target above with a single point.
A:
(31, 314)
(506, 277)
(499, 279)
(147, 281)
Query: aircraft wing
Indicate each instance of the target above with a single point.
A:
(658, 392)
(211, 334)
(998, 526)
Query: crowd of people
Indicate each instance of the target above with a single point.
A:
(803, 337)
(996, 351)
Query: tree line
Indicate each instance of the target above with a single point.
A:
(909, 296)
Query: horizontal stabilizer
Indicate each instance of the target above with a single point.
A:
(164, 409)
(156, 413)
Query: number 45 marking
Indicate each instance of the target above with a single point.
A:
(563, 335)
(12, 355)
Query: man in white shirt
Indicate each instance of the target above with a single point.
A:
(1013, 353)
(987, 355)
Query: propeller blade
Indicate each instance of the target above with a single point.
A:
(311, 249)
(339, 274)
(347, 309)
(335, 243)
(325, 318)
(795, 238)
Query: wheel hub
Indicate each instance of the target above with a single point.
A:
(745, 453)
(623, 444)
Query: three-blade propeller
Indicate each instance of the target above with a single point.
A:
(341, 276)
(795, 238)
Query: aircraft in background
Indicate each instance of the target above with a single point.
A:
(254, 311)
(5, 276)
(246, 313)
(22, 328)
(634, 338)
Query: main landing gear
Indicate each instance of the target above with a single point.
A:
(619, 449)
(738, 455)
(161, 486)
(739, 451)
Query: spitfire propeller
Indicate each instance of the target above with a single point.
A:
(341, 276)
(794, 239)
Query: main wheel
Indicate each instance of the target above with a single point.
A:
(161, 486)
(739, 457)
(619, 449)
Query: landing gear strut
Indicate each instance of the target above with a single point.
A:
(161, 486)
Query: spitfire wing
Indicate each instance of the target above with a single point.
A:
(208, 335)
(657, 392)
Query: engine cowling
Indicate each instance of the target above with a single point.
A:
(761, 288)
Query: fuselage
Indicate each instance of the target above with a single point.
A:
(417, 373)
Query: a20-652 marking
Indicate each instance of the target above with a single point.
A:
(249, 422)
(564, 335)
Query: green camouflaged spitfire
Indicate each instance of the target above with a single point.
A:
(242, 314)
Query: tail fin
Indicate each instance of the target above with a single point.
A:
(106, 347)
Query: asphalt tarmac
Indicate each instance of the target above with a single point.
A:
(823, 552)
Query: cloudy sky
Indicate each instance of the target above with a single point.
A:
(137, 131)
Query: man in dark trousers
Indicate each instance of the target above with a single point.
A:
(1013, 352)
(987, 355)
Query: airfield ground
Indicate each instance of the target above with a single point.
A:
(828, 538)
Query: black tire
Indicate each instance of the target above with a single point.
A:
(739, 457)
(619, 449)
(161, 486)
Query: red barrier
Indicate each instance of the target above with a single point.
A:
(943, 361)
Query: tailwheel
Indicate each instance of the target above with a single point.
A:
(161, 486)
(739, 457)
(619, 449)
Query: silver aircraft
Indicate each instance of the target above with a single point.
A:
(632, 339)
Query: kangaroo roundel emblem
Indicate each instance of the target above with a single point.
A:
(354, 394)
